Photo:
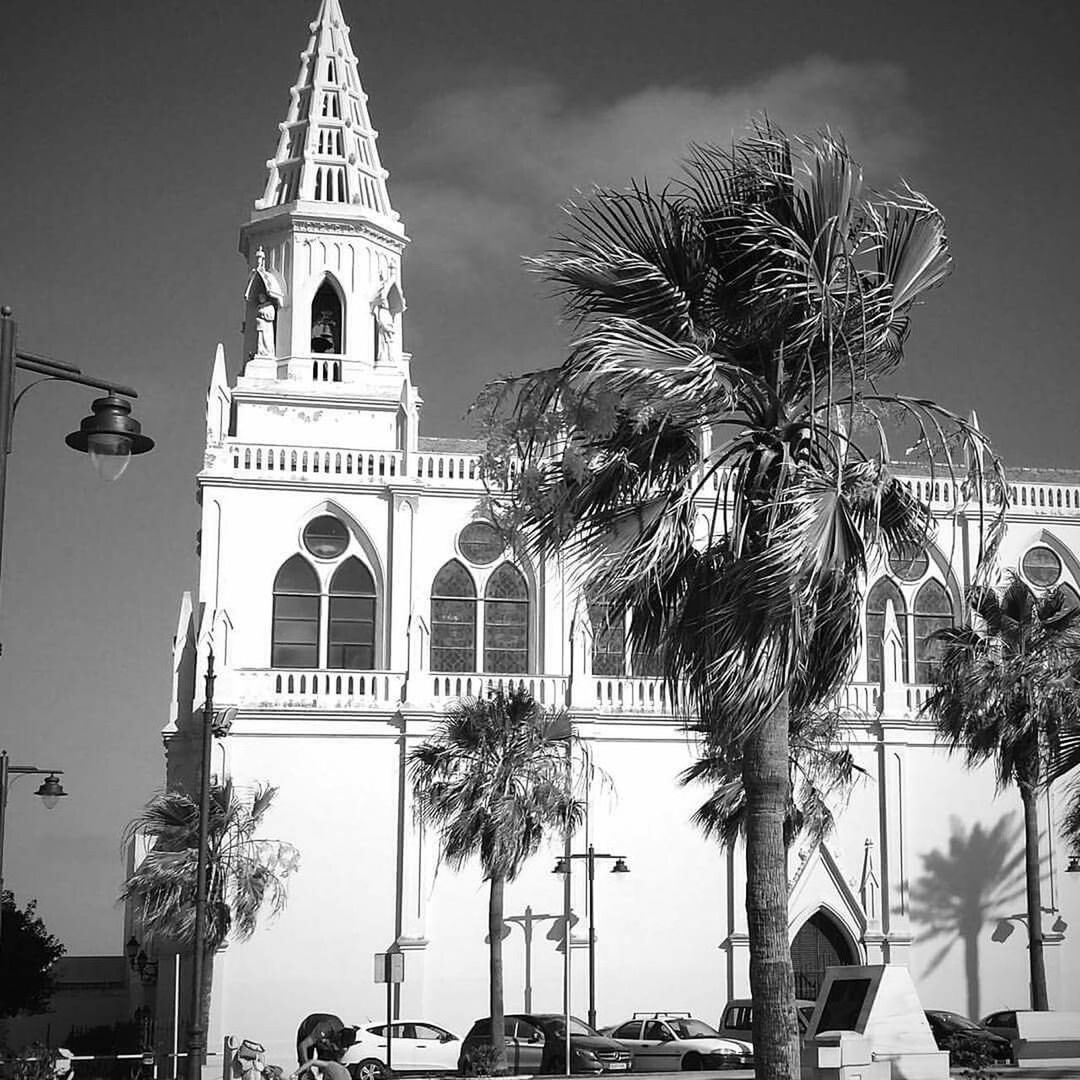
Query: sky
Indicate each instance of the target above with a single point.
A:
(134, 140)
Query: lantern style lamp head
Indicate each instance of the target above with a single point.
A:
(561, 867)
(1074, 865)
(110, 437)
(131, 950)
(620, 866)
(51, 791)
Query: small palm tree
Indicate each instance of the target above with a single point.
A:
(694, 455)
(1004, 693)
(492, 780)
(246, 875)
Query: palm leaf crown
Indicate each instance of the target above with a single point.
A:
(246, 875)
(712, 453)
(493, 778)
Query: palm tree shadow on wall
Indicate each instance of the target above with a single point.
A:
(961, 889)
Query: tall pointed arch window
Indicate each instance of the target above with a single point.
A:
(453, 619)
(326, 320)
(294, 641)
(877, 601)
(933, 612)
(351, 619)
(506, 622)
(608, 639)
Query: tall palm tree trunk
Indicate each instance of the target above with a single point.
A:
(765, 777)
(495, 979)
(1029, 796)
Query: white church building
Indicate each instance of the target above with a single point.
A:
(350, 589)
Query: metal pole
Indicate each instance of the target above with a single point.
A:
(567, 910)
(388, 967)
(197, 1029)
(527, 927)
(3, 813)
(592, 938)
(8, 329)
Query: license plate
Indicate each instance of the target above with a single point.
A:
(618, 1066)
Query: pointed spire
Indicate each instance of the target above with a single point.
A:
(327, 151)
(217, 399)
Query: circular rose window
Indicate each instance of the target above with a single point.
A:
(1041, 566)
(326, 537)
(481, 543)
(908, 562)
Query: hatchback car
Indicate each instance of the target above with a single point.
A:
(536, 1043)
(415, 1047)
(958, 1034)
(668, 1042)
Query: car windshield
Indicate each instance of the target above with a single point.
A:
(693, 1029)
(557, 1027)
(957, 1021)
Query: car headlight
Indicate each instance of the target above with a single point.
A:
(586, 1055)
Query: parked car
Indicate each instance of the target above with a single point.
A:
(536, 1043)
(416, 1046)
(667, 1042)
(1002, 1023)
(965, 1038)
(737, 1019)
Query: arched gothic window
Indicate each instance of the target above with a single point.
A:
(453, 619)
(326, 320)
(933, 612)
(608, 640)
(883, 591)
(351, 631)
(506, 622)
(294, 639)
(819, 945)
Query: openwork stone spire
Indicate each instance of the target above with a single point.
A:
(327, 152)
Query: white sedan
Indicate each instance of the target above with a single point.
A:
(669, 1042)
(415, 1047)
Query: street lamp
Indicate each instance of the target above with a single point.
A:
(526, 921)
(1004, 928)
(50, 791)
(563, 867)
(109, 435)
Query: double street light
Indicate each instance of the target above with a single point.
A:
(591, 856)
(50, 791)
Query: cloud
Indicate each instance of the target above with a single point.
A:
(480, 175)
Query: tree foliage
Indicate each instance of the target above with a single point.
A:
(693, 460)
(246, 875)
(27, 955)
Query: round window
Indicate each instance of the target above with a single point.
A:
(481, 543)
(1042, 566)
(908, 562)
(326, 537)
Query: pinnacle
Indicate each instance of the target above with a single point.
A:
(327, 150)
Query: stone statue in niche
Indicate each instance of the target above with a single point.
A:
(324, 332)
(265, 318)
(386, 306)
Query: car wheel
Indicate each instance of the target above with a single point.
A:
(369, 1069)
(692, 1063)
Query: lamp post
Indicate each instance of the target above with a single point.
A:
(526, 921)
(50, 791)
(109, 435)
(591, 855)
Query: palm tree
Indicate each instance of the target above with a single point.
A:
(492, 780)
(246, 875)
(1004, 692)
(694, 454)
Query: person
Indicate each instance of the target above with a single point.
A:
(326, 1062)
(317, 1026)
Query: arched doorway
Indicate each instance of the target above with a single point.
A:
(820, 943)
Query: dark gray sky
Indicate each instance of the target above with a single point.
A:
(134, 137)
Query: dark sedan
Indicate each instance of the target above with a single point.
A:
(536, 1043)
(966, 1040)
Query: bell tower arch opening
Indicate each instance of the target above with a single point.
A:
(327, 319)
(820, 943)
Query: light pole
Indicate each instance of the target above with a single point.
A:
(562, 867)
(108, 435)
(50, 791)
(526, 921)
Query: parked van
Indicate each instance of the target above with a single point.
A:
(737, 1019)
